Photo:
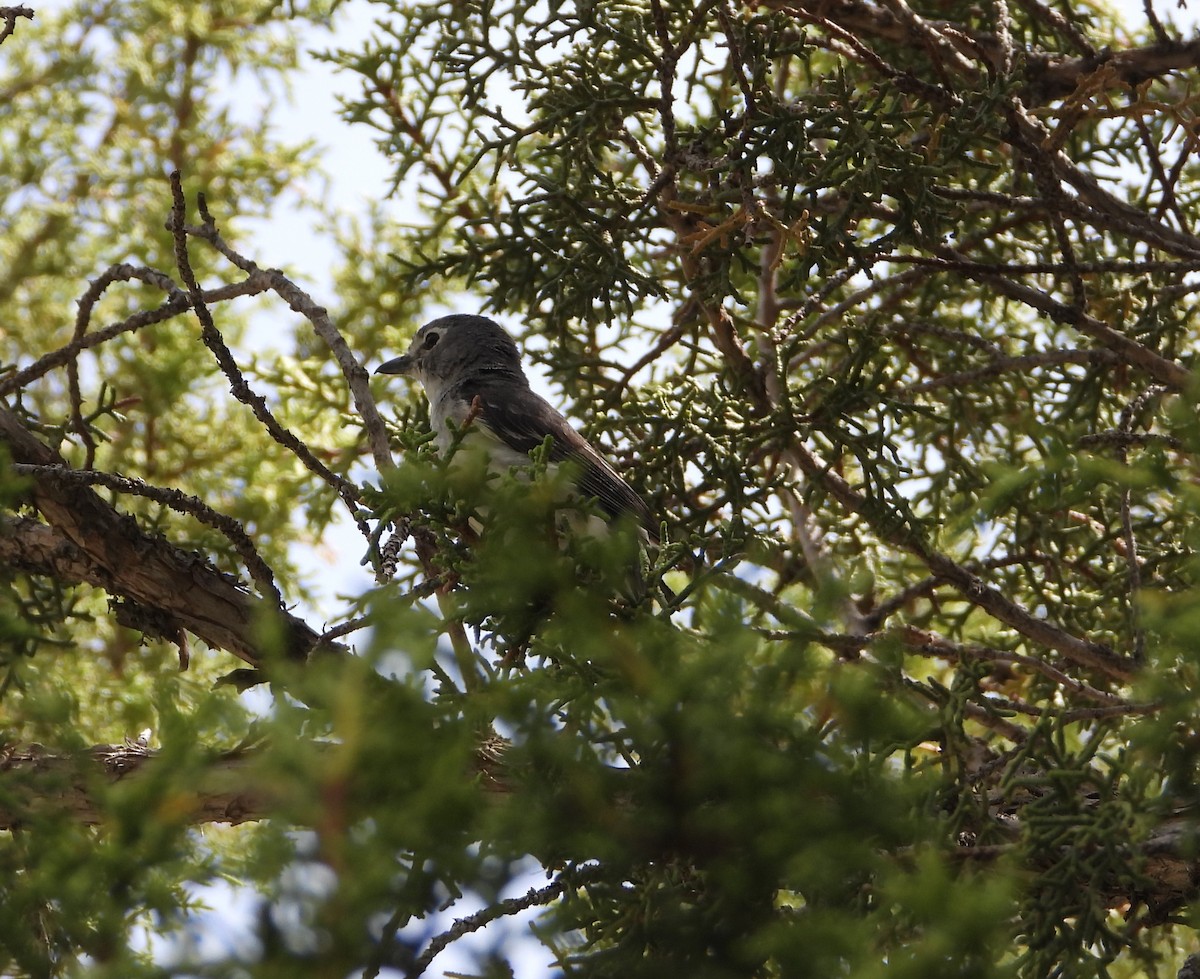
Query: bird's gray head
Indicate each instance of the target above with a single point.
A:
(454, 348)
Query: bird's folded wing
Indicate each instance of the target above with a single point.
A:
(522, 420)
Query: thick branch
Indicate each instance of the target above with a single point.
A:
(9, 15)
(176, 500)
(95, 543)
(35, 781)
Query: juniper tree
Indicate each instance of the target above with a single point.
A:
(885, 308)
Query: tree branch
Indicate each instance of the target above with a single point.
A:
(9, 15)
(238, 386)
(176, 304)
(174, 499)
(35, 781)
(301, 302)
(1046, 76)
(95, 543)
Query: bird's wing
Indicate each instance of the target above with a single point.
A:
(522, 420)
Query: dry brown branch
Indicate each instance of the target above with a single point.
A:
(301, 302)
(241, 390)
(229, 788)
(9, 15)
(175, 500)
(99, 545)
(38, 781)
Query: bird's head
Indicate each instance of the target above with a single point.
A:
(455, 347)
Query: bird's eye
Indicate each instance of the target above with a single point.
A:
(431, 340)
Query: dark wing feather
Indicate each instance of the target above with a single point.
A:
(522, 420)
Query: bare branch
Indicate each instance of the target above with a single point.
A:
(237, 383)
(117, 273)
(9, 15)
(533, 898)
(177, 304)
(176, 500)
(300, 302)
(106, 548)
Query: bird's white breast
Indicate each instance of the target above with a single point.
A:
(449, 413)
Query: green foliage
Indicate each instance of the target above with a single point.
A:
(893, 329)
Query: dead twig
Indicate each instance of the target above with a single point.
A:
(10, 15)
(241, 390)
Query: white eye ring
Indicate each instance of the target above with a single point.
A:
(431, 340)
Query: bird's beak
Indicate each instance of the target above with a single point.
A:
(401, 365)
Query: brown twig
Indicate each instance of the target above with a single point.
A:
(238, 386)
(967, 583)
(352, 625)
(1046, 75)
(1061, 24)
(1130, 414)
(177, 304)
(117, 273)
(1126, 440)
(10, 15)
(1073, 714)
(534, 897)
(1113, 267)
(930, 644)
(1151, 153)
(903, 80)
(301, 302)
(1166, 372)
(1013, 365)
(1155, 23)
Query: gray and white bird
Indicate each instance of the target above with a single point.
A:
(471, 371)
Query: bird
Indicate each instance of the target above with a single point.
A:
(470, 369)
